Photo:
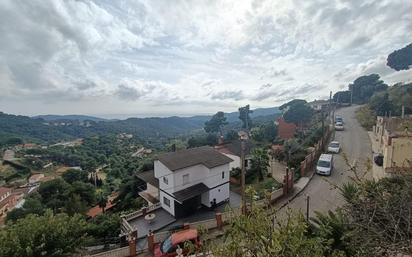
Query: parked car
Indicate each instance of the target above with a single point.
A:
(168, 247)
(338, 119)
(334, 147)
(339, 126)
(325, 164)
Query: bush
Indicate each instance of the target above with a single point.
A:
(366, 117)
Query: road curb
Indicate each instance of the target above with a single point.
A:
(297, 193)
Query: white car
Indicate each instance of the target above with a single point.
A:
(334, 147)
(325, 164)
(339, 126)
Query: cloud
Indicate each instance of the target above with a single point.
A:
(223, 95)
(182, 56)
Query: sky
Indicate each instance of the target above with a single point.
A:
(160, 57)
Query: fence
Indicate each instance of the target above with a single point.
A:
(308, 163)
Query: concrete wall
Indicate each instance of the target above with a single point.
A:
(401, 151)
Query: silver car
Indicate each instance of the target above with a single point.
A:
(334, 147)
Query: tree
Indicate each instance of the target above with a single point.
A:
(48, 235)
(73, 175)
(380, 214)
(365, 86)
(260, 162)
(231, 135)
(260, 234)
(400, 59)
(102, 201)
(292, 102)
(298, 113)
(54, 193)
(216, 123)
(31, 205)
(105, 226)
(380, 103)
(85, 191)
(244, 116)
(342, 97)
(75, 205)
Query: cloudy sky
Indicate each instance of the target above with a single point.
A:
(166, 57)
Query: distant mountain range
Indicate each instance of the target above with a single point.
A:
(231, 116)
(54, 128)
(51, 117)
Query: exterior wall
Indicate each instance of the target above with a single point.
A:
(396, 151)
(197, 174)
(401, 152)
(220, 193)
(161, 171)
(236, 161)
(286, 130)
(170, 209)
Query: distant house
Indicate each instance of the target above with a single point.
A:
(394, 140)
(96, 210)
(319, 105)
(191, 178)
(36, 178)
(285, 130)
(233, 151)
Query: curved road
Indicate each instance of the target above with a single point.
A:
(356, 146)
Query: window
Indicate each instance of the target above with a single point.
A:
(223, 174)
(165, 180)
(185, 179)
(166, 201)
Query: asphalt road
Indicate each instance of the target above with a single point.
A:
(322, 190)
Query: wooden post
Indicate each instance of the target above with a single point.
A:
(150, 241)
(132, 243)
(219, 222)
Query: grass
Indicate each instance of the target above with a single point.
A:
(268, 184)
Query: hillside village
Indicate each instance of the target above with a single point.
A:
(216, 129)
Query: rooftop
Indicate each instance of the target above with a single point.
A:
(148, 177)
(234, 147)
(4, 190)
(204, 155)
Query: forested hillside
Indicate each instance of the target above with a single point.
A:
(57, 128)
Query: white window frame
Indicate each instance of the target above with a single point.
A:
(186, 179)
(166, 201)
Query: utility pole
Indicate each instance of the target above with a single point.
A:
(323, 123)
(307, 207)
(242, 160)
(330, 105)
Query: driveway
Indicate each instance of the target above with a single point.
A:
(356, 146)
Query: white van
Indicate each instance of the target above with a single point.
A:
(325, 164)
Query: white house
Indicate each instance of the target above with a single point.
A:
(233, 151)
(191, 178)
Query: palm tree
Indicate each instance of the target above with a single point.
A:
(102, 201)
